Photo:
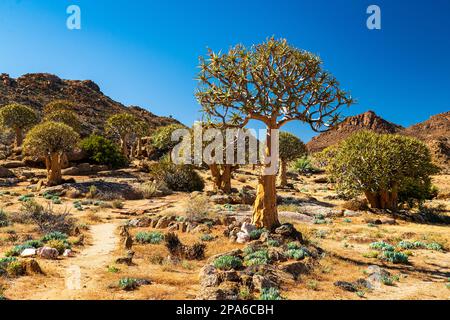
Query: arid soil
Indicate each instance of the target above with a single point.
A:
(344, 239)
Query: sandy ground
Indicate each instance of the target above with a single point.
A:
(344, 245)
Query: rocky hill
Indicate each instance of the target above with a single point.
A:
(92, 106)
(368, 121)
(435, 132)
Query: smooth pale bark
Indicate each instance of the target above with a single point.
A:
(282, 177)
(221, 175)
(265, 213)
(53, 164)
(124, 146)
(19, 137)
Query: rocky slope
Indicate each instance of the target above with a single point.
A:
(92, 106)
(368, 121)
(435, 132)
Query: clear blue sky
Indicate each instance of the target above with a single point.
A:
(146, 52)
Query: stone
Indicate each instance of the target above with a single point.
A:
(6, 173)
(32, 267)
(261, 282)
(13, 164)
(68, 253)
(220, 199)
(242, 237)
(376, 274)
(128, 259)
(363, 283)
(287, 230)
(209, 276)
(276, 254)
(347, 286)
(295, 269)
(163, 223)
(247, 228)
(173, 227)
(128, 243)
(351, 213)
(47, 253)
(201, 228)
(230, 275)
(30, 252)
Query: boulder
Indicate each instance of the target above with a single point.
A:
(163, 222)
(30, 252)
(68, 253)
(6, 173)
(261, 282)
(32, 267)
(209, 276)
(47, 253)
(242, 237)
(347, 286)
(295, 269)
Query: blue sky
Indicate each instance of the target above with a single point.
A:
(146, 52)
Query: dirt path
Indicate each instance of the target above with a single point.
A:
(72, 278)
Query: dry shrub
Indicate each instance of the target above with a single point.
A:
(177, 249)
(197, 207)
(45, 218)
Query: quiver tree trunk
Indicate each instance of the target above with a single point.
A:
(265, 213)
(53, 164)
(383, 199)
(124, 146)
(221, 174)
(19, 137)
(282, 176)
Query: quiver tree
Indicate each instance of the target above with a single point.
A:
(59, 111)
(51, 140)
(161, 139)
(275, 83)
(380, 166)
(123, 125)
(142, 130)
(290, 148)
(18, 118)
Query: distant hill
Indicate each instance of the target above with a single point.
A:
(435, 132)
(92, 106)
(368, 121)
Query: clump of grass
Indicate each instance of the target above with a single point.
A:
(128, 284)
(228, 262)
(197, 207)
(245, 293)
(56, 235)
(273, 243)
(371, 254)
(152, 237)
(270, 294)
(297, 254)
(4, 221)
(207, 237)
(257, 258)
(113, 269)
(256, 234)
(58, 245)
(435, 246)
(381, 245)
(15, 269)
(312, 285)
(395, 257)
